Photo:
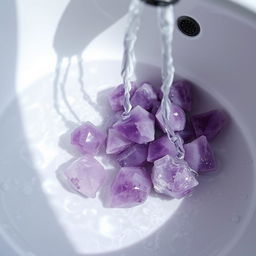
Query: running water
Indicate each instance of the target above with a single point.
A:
(128, 67)
(166, 24)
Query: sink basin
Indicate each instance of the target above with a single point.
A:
(59, 61)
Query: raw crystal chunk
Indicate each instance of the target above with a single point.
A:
(209, 124)
(200, 156)
(116, 143)
(139, 127)
(116, 98)
(144, 96)
(130, 187)
(86, 175)
(180, 94)
(88, 138)
(135, 155)
(159, 148)
(173, 177)
(188, 134)
(155, 106)
(177, 118)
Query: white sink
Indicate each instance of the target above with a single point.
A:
(56, 49)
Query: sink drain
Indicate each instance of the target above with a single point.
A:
(188, 26)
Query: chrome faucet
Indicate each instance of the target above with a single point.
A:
(160, 2)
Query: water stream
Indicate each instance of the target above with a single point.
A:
(166, 26)
(128, 67)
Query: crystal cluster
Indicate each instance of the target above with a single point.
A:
(139, 144)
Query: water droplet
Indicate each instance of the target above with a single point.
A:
(236, 218)
(18, 217)
(16, 182)
(4, 186)
(244, 196)
(30, 254)
(33, 180)
(27, 190)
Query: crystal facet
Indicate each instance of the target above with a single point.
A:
(188, 134)
(135, 155)
(155, 106)
(200, 156)
(88, 138)
(160, 148)
(180, 94)
(173, 177)
(177, 118)
(209, 124)
(86, 175)
(130, 187)
(144, 96)
(116, 98)
(116, 143)
(139, 127)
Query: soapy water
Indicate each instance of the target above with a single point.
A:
(166, 25)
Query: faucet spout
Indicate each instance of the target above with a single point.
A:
(160, 2)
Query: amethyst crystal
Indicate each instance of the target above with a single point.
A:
(144, 96)
(135, 155)
(209, 124)
(155, 106)
(88, 138)
(86, 175)
(199, 155)
(139, 127)
(116, 143)
(180, 94)
(130, 187)
(116, 98)
(159, 148)
(177, 118)
(173, 177)
(188, 134)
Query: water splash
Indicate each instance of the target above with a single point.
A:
(128, 66)
(166, 25)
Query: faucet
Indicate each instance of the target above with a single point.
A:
(160, 2)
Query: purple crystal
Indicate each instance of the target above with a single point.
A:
(188, 134)
(130, 187)
(177, 118)
(116, 98)
(86, 175)
(209, 124)
(159, 148)
(200, 156)
(155, 106)
(135, 155)
(180, 94)
(139, 127)
(144, 96)
(173, 177)
(88, 138)
(116, 143)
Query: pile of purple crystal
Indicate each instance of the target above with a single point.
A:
(147, 157)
